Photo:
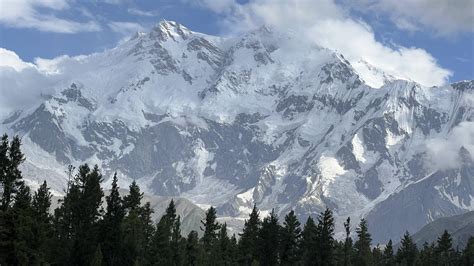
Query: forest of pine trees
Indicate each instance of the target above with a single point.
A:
(81, 232)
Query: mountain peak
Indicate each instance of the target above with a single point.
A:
(168, 24)
(166, 29)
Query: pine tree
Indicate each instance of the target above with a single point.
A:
(132, 201)
(133, 239)
(347, 243)
(42, 227)
(138, 228)
(377, 256)
(224, 252)
(112, 226)
(24, 240)
(192, 251)
(210, 228)
(309, 242)
(11, 158)
(363, 253)
(427, 255)
(269, 240)
(6, 217)
(444, 250)
(76, 221)
(17, 235)
(147, 228)
(65, 224)
(42, 202)
(88, 213)
(98, 257)
(248, 238)
(161, 250)
(4, 167)
(468, 252)
(233, 250)
(176, 242)
(7, 236)
(290, 240)
(325, 238)
(407, 252)
(387, 257)
(209, 239)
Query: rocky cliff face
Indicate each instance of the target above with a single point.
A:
(257, 119)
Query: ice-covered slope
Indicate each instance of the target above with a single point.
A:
(261, 118)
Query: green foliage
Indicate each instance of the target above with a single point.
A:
(348, 245)
(248, 238)
(42, 227)
(387, 258)
(161, 250)
(308, 242)
(444, 250)
(210, 228)
(363, 253)
(226, 248)
(11, 158)
(193, 249)
(407, 253)
(268, 242)
(77, 224)
(133, 200)
(138, 231)
(98, 257)
(111, 227)
(290, 240)
(325, 238)
(468, 252)
(427, 255)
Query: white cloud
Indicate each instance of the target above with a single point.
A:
(444, 17)
(329, 25)
(143, 13)
(355, 41)
(443, 153)
(24, 84)
(51, 66)
(11, 59)
(21, 83)
(26, 14)
(125, 28)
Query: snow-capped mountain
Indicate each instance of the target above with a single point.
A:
(257, 119)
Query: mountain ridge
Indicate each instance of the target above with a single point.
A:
(256, 119)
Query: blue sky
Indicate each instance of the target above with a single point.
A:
(51, 28)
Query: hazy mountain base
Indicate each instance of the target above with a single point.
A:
(191, 215)
(461, 227)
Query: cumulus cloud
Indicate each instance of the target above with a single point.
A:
(12, 60)
(125, 28)
(443, 153)
(329, 25)
(21, 83)
(446, 18)
(26, 14)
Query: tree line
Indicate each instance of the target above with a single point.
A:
(81, 232)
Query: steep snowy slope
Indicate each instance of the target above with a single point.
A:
(261, 118)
